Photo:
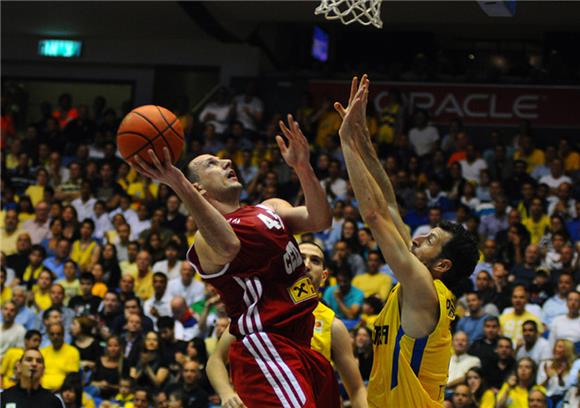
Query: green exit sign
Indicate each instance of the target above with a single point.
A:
(60, 48)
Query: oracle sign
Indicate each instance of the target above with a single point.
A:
(474, 104)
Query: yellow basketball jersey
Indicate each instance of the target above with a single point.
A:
(410, 372)
(322, 336)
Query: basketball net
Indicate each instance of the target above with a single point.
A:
(366, 12)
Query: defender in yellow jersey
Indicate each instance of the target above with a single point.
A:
(330, 338)
(412, 340)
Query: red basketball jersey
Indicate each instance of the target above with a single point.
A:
(264, 288)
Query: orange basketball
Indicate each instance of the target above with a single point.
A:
(150, 127)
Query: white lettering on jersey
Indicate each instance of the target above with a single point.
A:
(292, 258)
(271, 223)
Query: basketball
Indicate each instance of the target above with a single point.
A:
(150, 127)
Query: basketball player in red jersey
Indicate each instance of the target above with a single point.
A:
(250, 256)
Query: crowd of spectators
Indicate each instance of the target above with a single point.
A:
(93, 270)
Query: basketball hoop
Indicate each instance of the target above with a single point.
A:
(366, 12)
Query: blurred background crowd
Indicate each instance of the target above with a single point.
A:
(92, 263)
(93, 268)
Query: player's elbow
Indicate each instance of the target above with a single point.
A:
(231, 247)
(371, 216)
(324, 221)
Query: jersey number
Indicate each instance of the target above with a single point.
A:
(270, 223)
(292, 258)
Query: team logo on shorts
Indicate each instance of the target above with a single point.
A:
(302, 290)
(318, 326)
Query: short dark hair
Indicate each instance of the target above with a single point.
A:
(165, 322)
(490, 319)
(462, 250)
(160, 275)
(31, 333)
(532, 323)
(87, 276)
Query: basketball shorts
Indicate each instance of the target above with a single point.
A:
(269, 370)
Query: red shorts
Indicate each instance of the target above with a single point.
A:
(269, 370)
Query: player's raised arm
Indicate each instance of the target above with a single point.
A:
(315, 215)
(368, 156)
(216, 243)
(419, 311)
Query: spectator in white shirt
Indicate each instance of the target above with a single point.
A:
(534, 346)
(471, 166)
(217, 112)
(562, 202)
(334, 185)
(101, 220)
(126, 210)
(556, 176)
(171, 266)
(460, 361)
(192, 290)
(422, 136)
(143, 221)
(160, 303)
(567, 327)
(249, 108)
(85, 203)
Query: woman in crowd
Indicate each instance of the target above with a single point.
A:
(110, 264)
(71, 223)
(56, 234)
(85, 251)
(553, 373)
(363, 351)
(514, 392)
(152, 369)
(483, 396)
(109, 370)
(82, 329)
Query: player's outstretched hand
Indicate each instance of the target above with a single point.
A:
(164, 171)
(354, 115)
(297, 152)
(233, 402)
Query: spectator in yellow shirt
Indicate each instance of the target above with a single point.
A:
(9, 233)
(529, 153)
(41, 291)
(571, 158)
(373, 282)
(511, 322)
(537, 222)
(143, 276)
(36, 191)
(59, 358)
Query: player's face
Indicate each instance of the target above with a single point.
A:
(314, 264)
(428, 247)
(216, 175)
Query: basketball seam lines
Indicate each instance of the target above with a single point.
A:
(170, 124)
(158, 131)
(148, 144)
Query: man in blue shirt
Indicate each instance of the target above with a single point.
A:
(472, 325)
(556, 305)
(24, 315)
(344, 299)
(56, 263)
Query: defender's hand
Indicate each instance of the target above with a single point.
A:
(354, 115)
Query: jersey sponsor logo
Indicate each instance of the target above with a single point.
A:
(450, 309)
(302, 290)
(318, 326)
(381, 335)
(292, 258)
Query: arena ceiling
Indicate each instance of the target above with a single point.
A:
(169, 19)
